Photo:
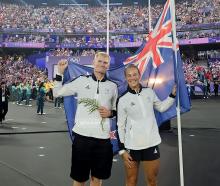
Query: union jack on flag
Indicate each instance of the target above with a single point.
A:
(160, 38)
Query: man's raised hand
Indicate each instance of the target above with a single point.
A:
(62, 64)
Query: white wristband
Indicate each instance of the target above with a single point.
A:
(59, 74)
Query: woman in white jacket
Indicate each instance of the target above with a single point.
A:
(137, 128)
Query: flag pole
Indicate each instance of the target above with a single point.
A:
(108, 20)
(173, 18)
(149, 12)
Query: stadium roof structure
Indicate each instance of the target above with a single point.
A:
(80, 2)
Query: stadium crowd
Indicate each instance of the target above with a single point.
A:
(100, 40)
(196, 73)
(21, 77)
(76, 19)
(215, 69)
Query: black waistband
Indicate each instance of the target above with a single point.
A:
(89, 138)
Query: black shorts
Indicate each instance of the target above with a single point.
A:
(148, 154)
(91, 156)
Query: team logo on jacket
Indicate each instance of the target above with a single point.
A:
(87, 87)
(132, 104)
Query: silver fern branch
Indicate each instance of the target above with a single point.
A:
(92, 105)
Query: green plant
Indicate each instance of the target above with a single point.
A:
(92, 105)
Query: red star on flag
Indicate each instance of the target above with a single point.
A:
(112, 134)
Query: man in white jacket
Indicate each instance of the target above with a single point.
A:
(91, 149)
(137, 128)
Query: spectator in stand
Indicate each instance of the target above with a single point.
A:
(28, 94)
(41, 98)
(216, 85)
(4, 96)
(57, 102)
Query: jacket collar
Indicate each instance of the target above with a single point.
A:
(133, 91)
(95, 79)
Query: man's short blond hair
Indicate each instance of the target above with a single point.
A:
(103, 54)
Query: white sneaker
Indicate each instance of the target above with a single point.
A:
(43, 113)
(38, 113)
(30, 105)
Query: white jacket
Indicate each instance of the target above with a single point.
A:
(137, 126)
(104, 91)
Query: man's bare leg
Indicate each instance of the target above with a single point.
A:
(95, 181)
(76, 183)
